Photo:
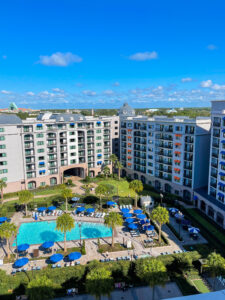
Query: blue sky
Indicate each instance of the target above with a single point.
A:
(98, 54)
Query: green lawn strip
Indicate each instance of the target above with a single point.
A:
(185, 285)
(123, 187)
(108, 248)
(200, 285)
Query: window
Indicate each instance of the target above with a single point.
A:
(116, 122)
(3, 163)
(39, 135)
(2, 146)
(3, 171)
(42, 183)
(2, 138)
(99, 151)
(72, 133)
(73, 161)
(72, 147)
(72, 140)
(2, 154)
(116, 133)
(41, 158)
(98, 144)
(73, 154)
(98, 138)
(39, 127)
(98, 131)
(2, 129)
(41, 150)
(40, 143)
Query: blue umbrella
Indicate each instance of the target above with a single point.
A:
(127, 215)
(133, 226)
(35, 218)
(90, 210)
(41, 209)
(141, 217)
(80, 209)
(51, 208)
(3, 219)
(138, 211)
(194, 230)
(23, 247)
(173, 210)
(149, 227)
(111, 203)
(125, 210)
(74, 255)
(142, 222)
(147, 221)
(56, 257)
(129, 220)
(21, 262)
(75, 199)
(179, 216)
(47, 245)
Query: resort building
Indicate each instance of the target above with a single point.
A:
(171, 154)
(42, 151)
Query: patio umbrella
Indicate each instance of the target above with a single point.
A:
(133, 226)
(21, 262)
(3, 219)
(125, 210)
(141, 216)
(173, 210)
(142, 222)
(23, 247)
(56, 257)
(47, 245)
(75, 199)
(138, 211)
(129, 220)
(149, 227)
(80, 209)
(90, 210)
(51, 208)
(194, 230)
(74, 255)
(41, 209)
(179, 216)
(147, 221)
(111, 203)
(127, 215)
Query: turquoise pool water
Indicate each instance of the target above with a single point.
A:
(40, 232)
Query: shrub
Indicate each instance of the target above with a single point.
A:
(90, 199)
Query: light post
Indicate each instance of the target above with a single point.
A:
(79, 224)
(161, 197)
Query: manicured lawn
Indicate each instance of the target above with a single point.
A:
(123, 187)
(200, 285)
(108, 248)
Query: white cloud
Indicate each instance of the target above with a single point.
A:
(218, 87)
(211, 47)
(142, 56)
(187, 79)
(30, 94)
(116, 83)
(57, 90)
(6, 92)
(206, 83)
(59, 59)
(89, 93)
(108, 92)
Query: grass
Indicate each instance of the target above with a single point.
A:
(200, 285)
(108, 248)
(123, 187)
(69, 250)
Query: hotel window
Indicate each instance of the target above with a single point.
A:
(3, 163)
(42, 183)
(2, 146)
(98, 131)
(98, 138)
(73, 161)
(98, 144)
(39, 135)
(40, 150)
(2, 129)
(72, 133)
(40, 143)
(3, 155)
(2, 138)
(72, 147)
(72, 140)
(3, 171)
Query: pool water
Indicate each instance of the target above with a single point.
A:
(40, 232)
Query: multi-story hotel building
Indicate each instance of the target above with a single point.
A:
(42, 151)
(171, 154)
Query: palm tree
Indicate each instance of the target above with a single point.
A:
(106, 171)
(216, 265)
(113, 158)
(7, 230)
(112, 220)
(137, 187)
(65, 223)
(3, 185)
(152, 271)
(25, 197)
(161, 216)
(100, 191)
(66, 194)
(119, 166)
(40, 287)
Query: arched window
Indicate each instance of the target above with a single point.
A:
(53, 181)
(31, 185)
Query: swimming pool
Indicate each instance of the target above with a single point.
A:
(40, 232)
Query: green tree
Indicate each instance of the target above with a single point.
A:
(216, 265)
(7, 230)
(65, 223)
(66, 194)
(101, 191)
(118, 166)
(106, 171)
(40, 287)
(99, 282)
(161, 216)
(3, 185)
(113, 158)
(112, 220)
(151, 271)
(137, 187)
(25, 197)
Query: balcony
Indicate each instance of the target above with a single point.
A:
(28, 137)
(90, 133)
(29, 145)
(215, 145)
(51, 143)
(63, 141)
(214, 164)
(189, 139)
(216, 124)
(29, 153)
(214, 174)
(187, 175)
(63, 149)
(90, 146)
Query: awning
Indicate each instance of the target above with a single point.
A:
(221, 174)
(221, 195)
(41, 163)
(222, 152)
(221, 184)
(39, 125)
(223, 141)
(72, 124)
(223, 130)
(222, 163)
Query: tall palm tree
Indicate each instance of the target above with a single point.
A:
(119, 166)
(112, 220)
(101, 191)
(25, 197)
(137, 187)
(66, 194)
(106, 171)
(7, 230)
(216, 265)
(3, 185)
(65, 223)
(161, 216)
(113, 158)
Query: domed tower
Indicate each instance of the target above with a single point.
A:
(126, 110)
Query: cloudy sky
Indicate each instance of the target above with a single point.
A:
(98, 54)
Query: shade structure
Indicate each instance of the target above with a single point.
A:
(127, 215)
(129, 220)
(111, 203)
(3, 219)
(179, 216)
(133, 226)
(142, 222)
(185, 222)
(90, 210)
(141, 217)
(149, 227)
(138, 211)
(80, 209)
(74, 255)
(56, 257)
(75, 199)
(194, 230)
(51, 208)
(23, 247)
(147, 221)
(21, 262)
(47, 245)
(173, 210)
(125, 210)
(41, 209)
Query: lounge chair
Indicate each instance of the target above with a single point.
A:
(58, 266)
(53, 266)
(77, 263)
(13, 272)
(72, 263)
